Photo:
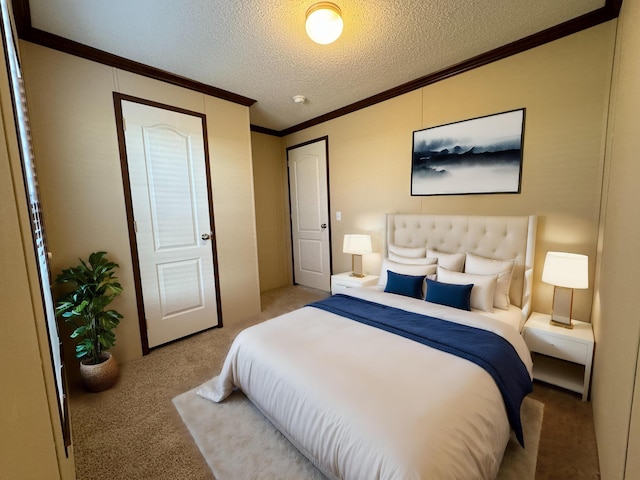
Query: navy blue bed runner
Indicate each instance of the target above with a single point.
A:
(486, 349)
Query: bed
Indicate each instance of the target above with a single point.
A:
(366, 389)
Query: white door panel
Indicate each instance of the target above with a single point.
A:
(311, 255)
(170, 200)
(310, 215)
(181, 287)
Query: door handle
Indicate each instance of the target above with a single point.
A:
(205, 236)
(323, 226)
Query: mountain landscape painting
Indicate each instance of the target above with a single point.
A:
(480, 155)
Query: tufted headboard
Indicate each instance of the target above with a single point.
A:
(500, 237)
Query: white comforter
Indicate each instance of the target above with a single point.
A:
(362, 403)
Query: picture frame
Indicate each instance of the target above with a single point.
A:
(481, 155)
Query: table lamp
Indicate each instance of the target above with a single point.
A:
(357, 245)
(565, 271)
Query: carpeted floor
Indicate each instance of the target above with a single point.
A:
(568, 441)
(133, 431)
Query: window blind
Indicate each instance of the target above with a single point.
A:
(37, 224)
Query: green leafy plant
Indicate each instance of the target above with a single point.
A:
(95, 286)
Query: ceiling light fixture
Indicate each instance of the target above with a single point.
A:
(324, 22)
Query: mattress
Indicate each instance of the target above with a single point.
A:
(363, 403)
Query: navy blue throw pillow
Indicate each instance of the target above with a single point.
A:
(407, 285)
(456, 296)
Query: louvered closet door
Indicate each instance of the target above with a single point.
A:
(174, 231)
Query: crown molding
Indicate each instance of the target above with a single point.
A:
(28, 33)
(22, 15)
(265, 130)
(610, 11)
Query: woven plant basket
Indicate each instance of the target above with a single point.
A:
(102, 376)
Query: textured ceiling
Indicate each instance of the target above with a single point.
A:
(259, 48)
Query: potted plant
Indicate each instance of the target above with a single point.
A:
(94, 287)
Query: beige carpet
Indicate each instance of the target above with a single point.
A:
(238, 442)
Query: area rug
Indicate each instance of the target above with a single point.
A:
(238, 442)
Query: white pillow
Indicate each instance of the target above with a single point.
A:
(450, 261)
(411, 252)
(484, 286)
(490, 266)
(412, 261)
(405, 270)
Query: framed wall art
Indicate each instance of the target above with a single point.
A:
(479, 155)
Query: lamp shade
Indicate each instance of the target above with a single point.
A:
(357, 244)
(569, 270)
(324, 22)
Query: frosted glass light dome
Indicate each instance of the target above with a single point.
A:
(324, 22)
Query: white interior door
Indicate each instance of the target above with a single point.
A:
(310, 214)
(174, 231)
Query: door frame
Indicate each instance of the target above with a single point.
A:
(118, 98)
(308, 142)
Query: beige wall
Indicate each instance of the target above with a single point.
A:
(616, 321)
(31, 443)
(75, 142)
(564, 86)
(272, 200)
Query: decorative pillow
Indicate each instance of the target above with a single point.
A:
(388, 265)
(484, 286)
(407, 285)
(411, 252)
(450, 261)
(490, 266)
(456, 296)
(411, 260)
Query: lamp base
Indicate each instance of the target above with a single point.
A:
(560, 324)
(356, 266)
(562, 309)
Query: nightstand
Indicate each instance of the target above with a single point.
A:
(561, 356)
(342, 281)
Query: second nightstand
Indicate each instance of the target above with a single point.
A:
(561, 356)
(342, 281)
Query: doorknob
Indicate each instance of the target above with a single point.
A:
(205, 236)
(323, 226)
